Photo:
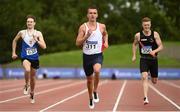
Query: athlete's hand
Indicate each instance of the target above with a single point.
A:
(14, 56)
(153, 53)
(106, 45)
(89, 32)
(36, 38)
(133, 59)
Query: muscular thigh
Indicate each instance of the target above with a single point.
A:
(26, 64)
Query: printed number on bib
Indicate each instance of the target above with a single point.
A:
(146, 49)
(31, 51)
(91, 46)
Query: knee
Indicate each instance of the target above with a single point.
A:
(27, 70)
(90, 80)
(144, 77)
(97, 68)
(96, 71)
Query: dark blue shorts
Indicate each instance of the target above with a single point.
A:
(89, 61)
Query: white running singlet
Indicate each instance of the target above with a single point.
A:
(93, 45)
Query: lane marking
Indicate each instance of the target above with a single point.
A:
(18, 84)
(166, 98)
(119, 96)
(42, 85)
(70, 97)
(171, 84)
(46, 91)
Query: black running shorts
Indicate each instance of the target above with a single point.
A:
(89, 61)
(34, 63)
(149, 65)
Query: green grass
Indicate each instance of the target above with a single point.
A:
(114, 56)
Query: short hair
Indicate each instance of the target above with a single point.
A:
(92, 7)
(31, 16)
(146, 19)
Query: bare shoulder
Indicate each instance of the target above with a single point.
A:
(102, 25)
(137, 35)
(82, 27)
(38, 33)
(156, 34)
(21, 33)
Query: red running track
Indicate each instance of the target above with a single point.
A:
(71, 95)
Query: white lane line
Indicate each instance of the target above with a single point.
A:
(12, 85)
(119, 96)
(171, 84)
(42, 92)
(166, 98)
(18, 83)
(68, 98)
(47, 84)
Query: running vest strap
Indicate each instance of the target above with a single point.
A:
(29, 46)
(147, 44)
(93, 45)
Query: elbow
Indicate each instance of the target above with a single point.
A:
(161, 47)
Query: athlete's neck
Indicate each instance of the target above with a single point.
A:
(30, 29)
(92, 23)
(147, 33)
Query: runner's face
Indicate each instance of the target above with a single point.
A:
(146, 26)
(30, 23)
(92, 15)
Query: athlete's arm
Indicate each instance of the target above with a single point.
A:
(134, 46)
(105, 37)
(81, 35)
(14, 44)
(159, 43)
(40, 40)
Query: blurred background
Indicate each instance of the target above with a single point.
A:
(59, 21)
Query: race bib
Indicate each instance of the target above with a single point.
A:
(146, 49)
(91, 44)
(31, 51)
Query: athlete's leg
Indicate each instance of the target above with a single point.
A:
(27, 67)
(32, 79)
(88, 69)
(154, 71)
(145, 83)
(97, 68)
(154, 80)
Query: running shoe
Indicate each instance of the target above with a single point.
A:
(96, 97)
(26, 89)
(32, 100)
(91, 104)
(146, 101)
